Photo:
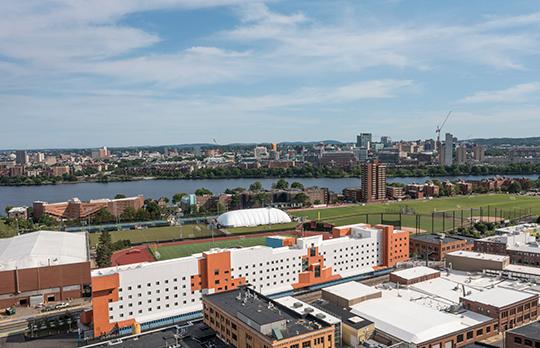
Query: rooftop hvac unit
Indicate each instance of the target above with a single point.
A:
(297, 304)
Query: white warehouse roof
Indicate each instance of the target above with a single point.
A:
(253, 217)
(42, 248)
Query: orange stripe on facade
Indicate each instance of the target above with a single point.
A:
(104, 291)
(314, 270)
(215, 273)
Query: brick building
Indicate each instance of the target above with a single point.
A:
(437, 246)
(43, 266)
(511, 308)
(75, 209)
(527, 336)
(373, 182)
(247, 319)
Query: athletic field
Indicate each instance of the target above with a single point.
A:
(157, 234)
(459, 210)
(175, 251)
(262, 228)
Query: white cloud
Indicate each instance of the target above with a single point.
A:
(514, 94)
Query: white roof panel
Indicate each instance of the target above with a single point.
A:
(253, 217)
(351, 290)
(42, 248)
(499, 297)
(415, 272)
(412, 322)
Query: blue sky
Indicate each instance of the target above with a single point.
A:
(78, 73)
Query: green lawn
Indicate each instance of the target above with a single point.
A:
(6, 230)
(156, 234)
(263, 228)
(175, 251)
(353, 214)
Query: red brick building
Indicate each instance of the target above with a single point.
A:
(43, 266)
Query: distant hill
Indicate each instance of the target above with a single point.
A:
(531, 141)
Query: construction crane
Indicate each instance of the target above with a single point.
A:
(439, 128)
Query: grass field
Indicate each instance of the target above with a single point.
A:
(263, 228)
(175, 251)
(156, 234)
(354, 214)
(6, 230)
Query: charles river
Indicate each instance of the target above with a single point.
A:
(25, 195)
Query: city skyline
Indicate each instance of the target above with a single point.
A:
(132, 73)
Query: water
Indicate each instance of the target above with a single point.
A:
(25, 195)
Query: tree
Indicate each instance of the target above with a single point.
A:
(104, 250)
(514, 187)
(8, 208)
(177, 197)
(103, 216)
(119, 196)
(301, 198)
(256, 186)
(281, 184)
(297, 185)
(538, 220)
(202, 191)
(128, 214)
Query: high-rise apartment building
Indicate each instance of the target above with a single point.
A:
(446, 150)
(373, 182)
(21, 157)
(363, 140)
(461, 154)
(478, 153)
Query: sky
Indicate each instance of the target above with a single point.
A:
(79, 73)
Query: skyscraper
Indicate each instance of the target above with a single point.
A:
(478, 153)
(21, 157)
(461, 154)
(363, 140)
(447, 158)
(386, 141)
(373, 182)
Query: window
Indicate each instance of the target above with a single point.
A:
(470, 335)
(517, 340)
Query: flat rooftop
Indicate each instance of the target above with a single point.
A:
(197, 335)
(415, 272)
(259, 310)
(413, 322)
(531, 330)
(437, 239)
(499, 296)
(351, 290)
(42, 248)
(347, 317)
(479, 256)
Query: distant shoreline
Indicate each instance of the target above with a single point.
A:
(149, 178)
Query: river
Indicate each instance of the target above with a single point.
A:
(25, 195)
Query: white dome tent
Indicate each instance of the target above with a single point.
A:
(253, 217)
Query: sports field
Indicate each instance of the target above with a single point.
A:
(263, 228)
(156, 234)
(495, 205)
(175, 251)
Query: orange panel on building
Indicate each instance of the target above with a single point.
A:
(315, 271)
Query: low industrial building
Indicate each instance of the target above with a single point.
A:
(517, 242)
(436, 246)
(43, 266)
(471, 261)
(414, 275)
(245, 318)
(511, 308)
(453, 309)
(527, 336)
(349, 294)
